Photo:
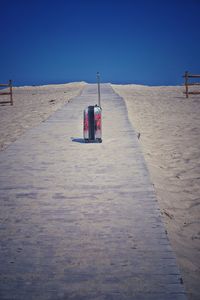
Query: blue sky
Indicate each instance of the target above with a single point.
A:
(143, 41)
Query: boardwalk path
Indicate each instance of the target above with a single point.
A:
(81, 221)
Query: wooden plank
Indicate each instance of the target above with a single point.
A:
(5, 102)
(193, 83)
(194, 92)
(4, 84)
(107, 238)
(194, 76)
(5, 93)
(191, 76)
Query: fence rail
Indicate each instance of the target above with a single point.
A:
(187, 76)
(9, 85)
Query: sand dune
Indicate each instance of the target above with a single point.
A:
(32, 105)
(169, 127)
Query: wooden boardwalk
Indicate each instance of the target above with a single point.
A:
(81, 221)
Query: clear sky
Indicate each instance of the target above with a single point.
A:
(128, 41)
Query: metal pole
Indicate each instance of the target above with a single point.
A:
(98, 82)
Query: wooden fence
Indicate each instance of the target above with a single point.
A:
(9, 85)
(187, 77)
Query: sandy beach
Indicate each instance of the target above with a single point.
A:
(32, 105)
(168, 125)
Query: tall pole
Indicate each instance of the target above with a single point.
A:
(11, 95)
(98, 82)
(186, 83)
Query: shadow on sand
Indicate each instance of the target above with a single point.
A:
(78, 140)
(83, 141)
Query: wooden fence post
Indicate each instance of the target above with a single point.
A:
(186, 84)
(11, 96)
